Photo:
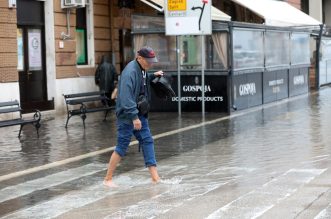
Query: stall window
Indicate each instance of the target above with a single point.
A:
(325, 61)
(164, 46)
(190, 52)
(300, 48)
(325, 49)
(84, 35)
(247, 49)
(277, 52)
(217, 51)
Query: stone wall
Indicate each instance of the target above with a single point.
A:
(8, 43)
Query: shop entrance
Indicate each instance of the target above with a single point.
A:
(31, 56)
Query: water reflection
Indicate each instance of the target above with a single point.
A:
(247, 150)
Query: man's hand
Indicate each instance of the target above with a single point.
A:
(158, 73)
(136, 124)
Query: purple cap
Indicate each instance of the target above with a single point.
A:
(148, 54)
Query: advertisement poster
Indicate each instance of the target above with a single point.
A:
(216, 98)
(20, 56)
(34, 37)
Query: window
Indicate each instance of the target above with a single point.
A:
(217, 51)
(300, 48)
(164, 47)
(305, 6)
(277, 52)
(190, 52)
(247, 49)
(84, 35)
(81, 39)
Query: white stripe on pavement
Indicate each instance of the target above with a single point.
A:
(257, 202)
(57, 206)
(325, 213)
(84, 196)
(48, 181)
(54, 164)
(164, 202)
(87, 195)
(186, 191)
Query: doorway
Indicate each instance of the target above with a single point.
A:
(31, 56)
(125, 42)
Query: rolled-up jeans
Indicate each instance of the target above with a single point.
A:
(144, 136)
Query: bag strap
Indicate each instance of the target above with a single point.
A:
(143, 83)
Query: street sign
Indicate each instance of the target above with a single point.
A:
(188, 17)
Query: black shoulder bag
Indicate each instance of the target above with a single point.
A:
(142, 102)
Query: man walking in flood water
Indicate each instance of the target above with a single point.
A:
(132, 111)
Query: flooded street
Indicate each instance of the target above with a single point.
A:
(266, 162)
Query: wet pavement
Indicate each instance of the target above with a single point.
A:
(266, 162)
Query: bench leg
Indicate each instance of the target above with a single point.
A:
(19, 133)
(37, 125)
(68, 117)
(106, 114)
(83, 116)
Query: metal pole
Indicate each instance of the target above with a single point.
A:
(317, 64)
(231, 88)
(178, 75)
(203, 59)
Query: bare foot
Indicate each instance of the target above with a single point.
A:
(110, 184)
(156, 181)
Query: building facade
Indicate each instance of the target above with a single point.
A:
(51, 50)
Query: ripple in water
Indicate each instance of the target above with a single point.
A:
(172, 181)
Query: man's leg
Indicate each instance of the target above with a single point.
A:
(154, 174)
(114, 160)
(124, 133)
(145, 139)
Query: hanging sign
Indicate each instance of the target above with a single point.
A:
(188, 17)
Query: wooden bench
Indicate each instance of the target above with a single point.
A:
(13, 107)
(82, 103)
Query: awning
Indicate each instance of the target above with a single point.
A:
(278, 13)
(216, 14)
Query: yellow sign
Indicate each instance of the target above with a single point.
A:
(176, 5)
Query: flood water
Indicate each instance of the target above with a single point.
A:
(265, 162)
